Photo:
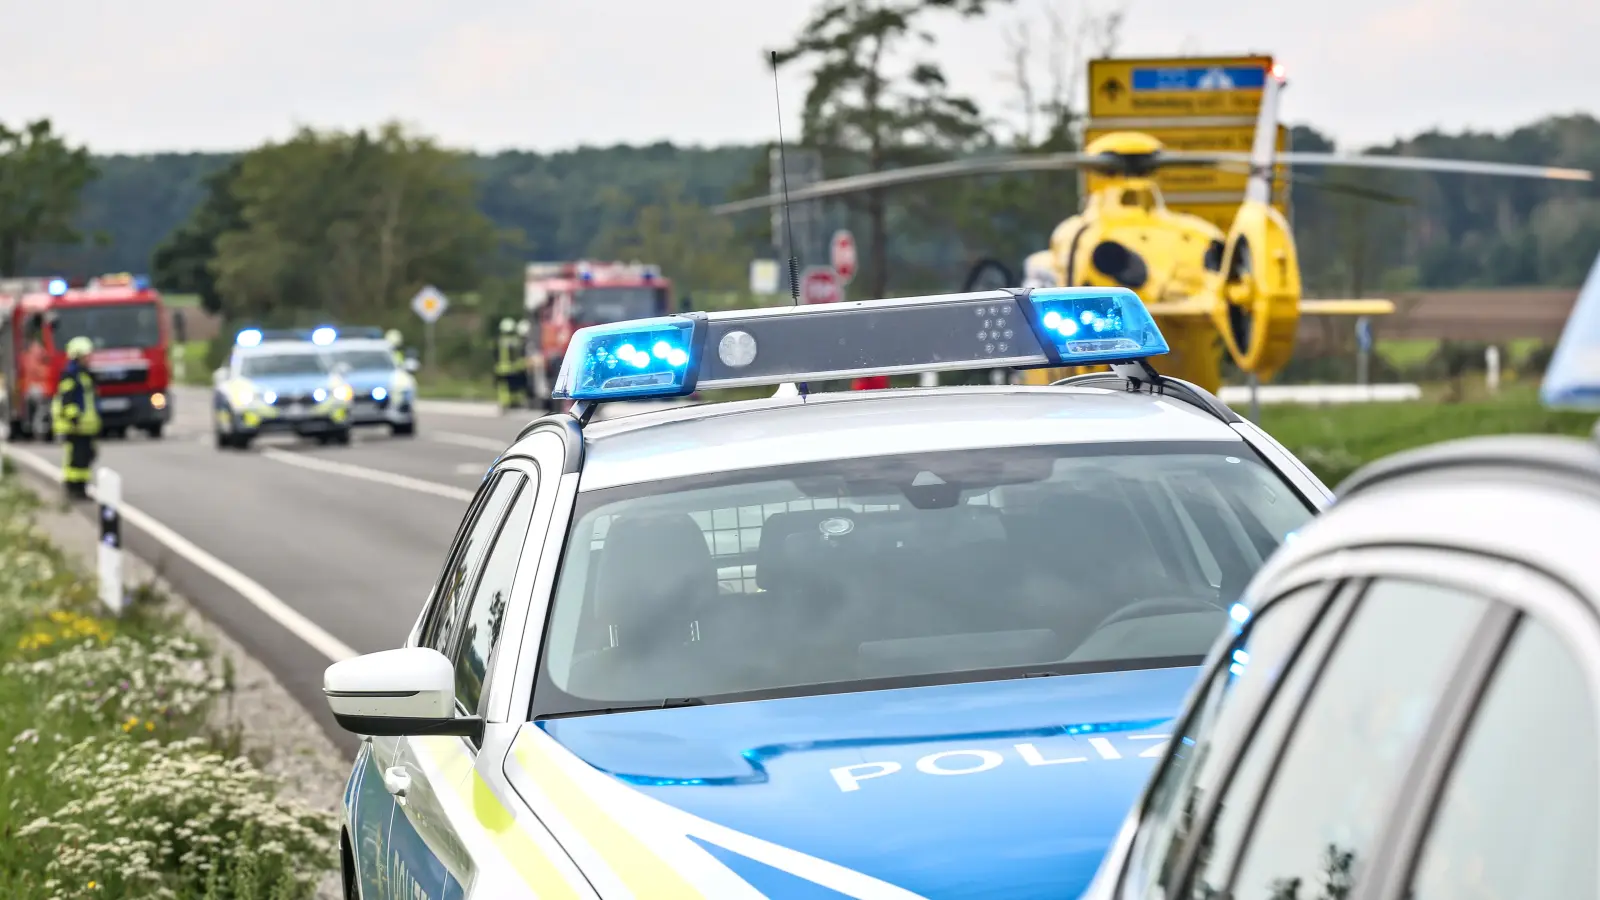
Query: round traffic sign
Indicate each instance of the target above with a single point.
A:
(843, 255)
(820, 284)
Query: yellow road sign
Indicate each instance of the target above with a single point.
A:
(1177, 87)
(1197, 180)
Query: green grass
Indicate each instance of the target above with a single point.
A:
(181, 301)
(1336, 440)
(195, 371)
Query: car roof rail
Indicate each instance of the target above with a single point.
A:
(1137, 376)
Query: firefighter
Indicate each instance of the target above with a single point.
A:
(395, 339)
(508, 364)
(75, 418)
(526, 372)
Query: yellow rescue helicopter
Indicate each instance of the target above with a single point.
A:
(1203, 285)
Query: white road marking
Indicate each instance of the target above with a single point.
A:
(469, 469)
(476, 409)
(363, 473)
(469, 440)
(246, 587)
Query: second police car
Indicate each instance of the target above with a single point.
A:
(916, 643)
(280, 381)
(384, 390)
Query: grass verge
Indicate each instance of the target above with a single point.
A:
(115, 785)
(1336, 440)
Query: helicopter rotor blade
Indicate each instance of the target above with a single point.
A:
(853, 184)
(1422, 164)
(1332, 187)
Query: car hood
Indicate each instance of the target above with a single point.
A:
(1005, 789)
(364, 380)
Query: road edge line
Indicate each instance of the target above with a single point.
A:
(262, 599)
(378, 476)
(476, 442)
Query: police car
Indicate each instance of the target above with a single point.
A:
(1410, 706)
(384, 391)
(280, 381)
(871, 644)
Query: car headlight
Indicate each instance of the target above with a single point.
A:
(242, 394)
(343, 392)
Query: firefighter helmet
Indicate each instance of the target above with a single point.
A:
(394, 337)
(507, 326)
(79, 347)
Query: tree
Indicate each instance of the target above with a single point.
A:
(693, 247)
(350, 226)
(182, 262)
(863, 111)
(41, 181)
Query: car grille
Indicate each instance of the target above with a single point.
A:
(130, 375)
(286, 398)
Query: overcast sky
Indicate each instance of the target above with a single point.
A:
(553, 74)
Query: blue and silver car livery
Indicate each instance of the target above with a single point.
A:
(384, 393)
(279, 382)
(906, 643)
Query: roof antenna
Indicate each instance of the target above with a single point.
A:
(783, 175)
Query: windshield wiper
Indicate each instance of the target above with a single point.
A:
(669, 703)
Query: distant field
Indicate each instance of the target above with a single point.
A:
(1336, 440)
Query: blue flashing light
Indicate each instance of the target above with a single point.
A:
(324, 336)
(141, 283)
(1089, 325)
(623, 360)
(250, 337)
(1573, 379)
(1239, 613)
(57, 287)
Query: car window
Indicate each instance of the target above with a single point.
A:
(1220, 720)
(1518, 817)
(487, 610)
(450, 595)
(901, 569)
(1219, 849)
(1326, 804)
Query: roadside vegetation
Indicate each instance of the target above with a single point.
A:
(1336, 440)
(116, 783)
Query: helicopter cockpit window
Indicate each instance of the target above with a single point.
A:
(1214, 252)
(1140, 197)
(1120, 264)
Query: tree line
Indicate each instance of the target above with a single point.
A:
(352, 223)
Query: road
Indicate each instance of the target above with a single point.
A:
(348, 539)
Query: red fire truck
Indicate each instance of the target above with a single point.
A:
(562, 297)
(125, 319)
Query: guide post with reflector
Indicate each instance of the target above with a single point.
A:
(108, 494)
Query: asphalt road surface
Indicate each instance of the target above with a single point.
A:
(302, 553)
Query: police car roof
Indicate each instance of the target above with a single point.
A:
(776, 431)
(277, 348)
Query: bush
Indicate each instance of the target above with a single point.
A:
(113, 784)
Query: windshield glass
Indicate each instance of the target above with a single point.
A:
(110, 325)
(954, 566)
(598, 306)
(259, 365)
(363, 360)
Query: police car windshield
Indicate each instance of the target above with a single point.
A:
(109, 325)
(880, 572)
(262, 365)
(364, 360)
(602, 305)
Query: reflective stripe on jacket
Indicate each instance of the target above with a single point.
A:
(74, 410)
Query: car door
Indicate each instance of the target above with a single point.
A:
(433, 847)
(1321, 795)
(382, 775)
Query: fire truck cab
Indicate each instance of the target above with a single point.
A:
(561, 297)
(125, 319)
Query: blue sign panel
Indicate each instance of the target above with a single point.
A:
(1199, 78)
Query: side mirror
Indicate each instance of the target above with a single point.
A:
(412, 365)
(398, 693)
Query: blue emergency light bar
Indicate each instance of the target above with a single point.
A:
(322, 335)
(674, 356)
(1573, 379)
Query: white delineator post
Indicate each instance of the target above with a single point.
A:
(108, 493)
(1491, 365)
